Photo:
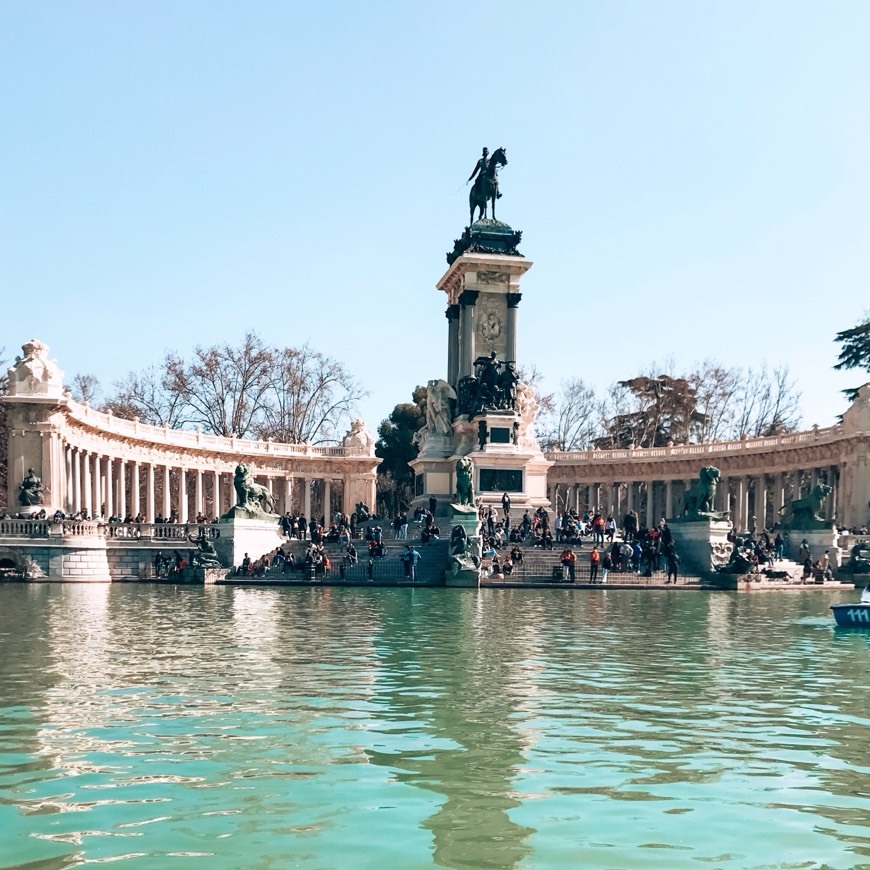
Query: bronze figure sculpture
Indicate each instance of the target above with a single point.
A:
(485, 188)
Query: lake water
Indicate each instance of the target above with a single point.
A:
(158, 727)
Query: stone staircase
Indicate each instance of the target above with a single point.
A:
(389, 569)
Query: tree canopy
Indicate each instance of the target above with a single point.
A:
(854, 349)
(396, 448)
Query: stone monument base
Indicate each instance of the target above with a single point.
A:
(702, 544)
(239, 536)
(819, 540)
(465, 516)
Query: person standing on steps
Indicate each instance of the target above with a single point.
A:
(412, 557)
(594, 561)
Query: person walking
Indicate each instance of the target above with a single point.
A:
(594, 561)
(673, 565)
(413, 558)
(606, 565)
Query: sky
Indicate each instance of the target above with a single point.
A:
(692, 181)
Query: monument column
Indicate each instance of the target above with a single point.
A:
(669, 499)
(110, 487)
(135, 505)
(327, 502)
(467, 299)
(306, 498)
(513, 300)
(97, 486)
(182, 495)
(149, 495)
(452, 315)
(629, 496)
(216, 495)
(199, 506)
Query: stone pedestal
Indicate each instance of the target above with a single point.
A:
(819, 540)
(238, 536)
(465, 516)
(702, 544)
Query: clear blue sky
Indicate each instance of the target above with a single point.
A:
(691, 179)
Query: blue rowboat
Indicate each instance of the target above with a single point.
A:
(854, 615)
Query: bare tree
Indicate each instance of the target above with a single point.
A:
(767, 403)
(250, 390)
(223, 388)
(147, 395)
(309, 397)
(85, 388)
(573, 420)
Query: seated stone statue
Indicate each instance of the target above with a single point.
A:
(31, 490)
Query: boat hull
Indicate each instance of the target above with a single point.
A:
(852, 615)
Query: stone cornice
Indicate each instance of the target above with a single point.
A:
(793, 452)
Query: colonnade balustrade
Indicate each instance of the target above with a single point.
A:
(753, 500)
(107, 486)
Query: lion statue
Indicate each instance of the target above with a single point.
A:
(700, 498)
(251, 495)
(802, 515)
(465, 482)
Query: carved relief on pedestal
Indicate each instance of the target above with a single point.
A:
(490, 325)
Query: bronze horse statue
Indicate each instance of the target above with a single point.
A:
(485, 187)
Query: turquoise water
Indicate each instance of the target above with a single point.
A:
(318, 728)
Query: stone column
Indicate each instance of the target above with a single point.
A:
(216, 506)
(149, 495)
(467, 299)
(796, 485)
(87, 485)
(199, 506)
(778, 495)
(110, 487)
(68, 495)
(135, 505)
(831, 501)
(167, 493)
(669, 500)
(183, 506)
(97, 484)
(327, 502)
(452, 315)
(761, 500)
(122, 489)
(741, 508)
(510, 332)
(288, 494)
(77, 479)
(306, 498)
(629, 496)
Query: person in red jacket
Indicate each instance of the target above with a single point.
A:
(594, 561)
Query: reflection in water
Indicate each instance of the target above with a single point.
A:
(309, 727)
(441, 688)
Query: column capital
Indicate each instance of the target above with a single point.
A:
(452, 312)
(468, 297)
(513, 299)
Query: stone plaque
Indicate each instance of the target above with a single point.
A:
(499, 435)
(501, 480)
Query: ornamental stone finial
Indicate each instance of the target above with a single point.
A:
(35, 374)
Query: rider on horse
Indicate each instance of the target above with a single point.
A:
(480, 169)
